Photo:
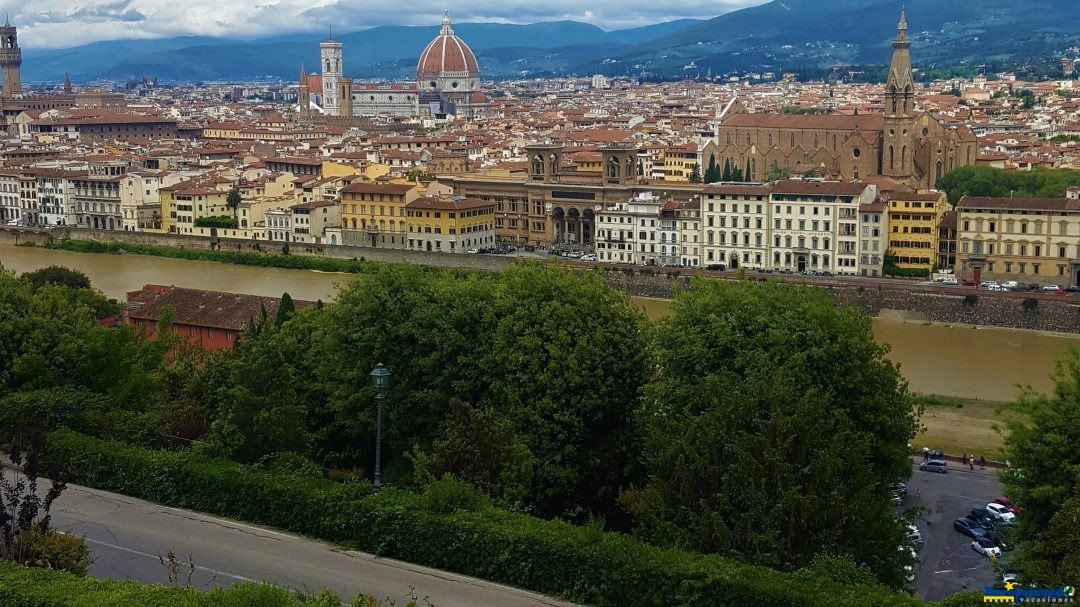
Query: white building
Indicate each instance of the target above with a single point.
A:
(873, 238)
(689, 216)
(10, 202)
(735, 225)
(140, 200)
(55, 189)
(629, 232)
(278, 225)
(816, 224)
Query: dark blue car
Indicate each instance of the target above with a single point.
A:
(969, 528)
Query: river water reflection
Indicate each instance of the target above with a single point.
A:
(983, 363)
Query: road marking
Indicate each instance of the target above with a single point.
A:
(944, 571)
(157, 557)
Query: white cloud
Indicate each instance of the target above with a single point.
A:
(65, 23)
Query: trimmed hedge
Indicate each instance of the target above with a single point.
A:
(450, 529)
(23, 587)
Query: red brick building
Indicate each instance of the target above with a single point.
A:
(211, 319)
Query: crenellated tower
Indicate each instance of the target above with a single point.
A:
(898, 148)
(10, 59)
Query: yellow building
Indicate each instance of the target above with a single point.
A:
(680, 161)
(373, 214)
(450, 224)
(182, 204)
(1028, 240)
(913, 228)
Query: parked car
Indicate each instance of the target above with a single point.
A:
(986, 284)
(950, 282)
(588, 257)
(715, 267)
(1000, 513)
(914, 534)
(969, 283)
(473, 251)
(935, 465)
(575, 254)
(981, 518)
(1009, 284)
(1004, 501)
(995, 288)
(969, 528)
(1051, 288)
(985, 546)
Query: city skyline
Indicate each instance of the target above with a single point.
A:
(53, 24)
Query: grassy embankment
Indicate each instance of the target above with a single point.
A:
(958, 425)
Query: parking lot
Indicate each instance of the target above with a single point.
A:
(947, 564)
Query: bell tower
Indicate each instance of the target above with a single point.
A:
(10, 59)
(330, 51)
(898, 147)
(303, 94)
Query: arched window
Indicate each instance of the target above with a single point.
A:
(903, 157)
(553, 163)
(802, 242)
(613, 167)
(327, 65)
(538, 165)
(892, 164)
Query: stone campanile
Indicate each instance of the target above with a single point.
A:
(330, 50)
(10, 59)
(897, 153)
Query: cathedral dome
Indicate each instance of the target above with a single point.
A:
(446, 57)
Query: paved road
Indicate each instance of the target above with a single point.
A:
(947, 564)
(126, 536)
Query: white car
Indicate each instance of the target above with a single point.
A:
(473, 251)
(914, 534)
(985, 546)
(1001, 514)
(1051, 288)
(1009, 284)
(986, 284)
(588, 257)
(952, 282)
(995, 288)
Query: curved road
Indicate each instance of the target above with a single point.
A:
(127, 535)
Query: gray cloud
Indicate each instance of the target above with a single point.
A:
(62, 23)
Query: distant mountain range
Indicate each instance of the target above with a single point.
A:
(780, 35)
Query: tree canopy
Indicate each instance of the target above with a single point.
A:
(1045, 479)
(774, 429)
(988, 181)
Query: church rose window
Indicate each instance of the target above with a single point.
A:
(856, 152)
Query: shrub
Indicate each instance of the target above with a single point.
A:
(553, 557)
(1030, 304)
(51, 549)
(218, 221)
(971, 300)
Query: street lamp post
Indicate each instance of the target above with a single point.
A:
(381, 376)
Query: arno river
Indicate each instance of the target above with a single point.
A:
(982, 363)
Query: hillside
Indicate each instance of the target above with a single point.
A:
(780, 35)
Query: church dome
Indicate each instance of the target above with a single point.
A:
(447, 56)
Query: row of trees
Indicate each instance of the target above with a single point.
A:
(758, 421)
(988, 181)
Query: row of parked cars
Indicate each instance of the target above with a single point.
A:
(987, 527)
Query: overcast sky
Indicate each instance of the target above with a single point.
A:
(64, 23)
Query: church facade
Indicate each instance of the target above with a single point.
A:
(912, 148)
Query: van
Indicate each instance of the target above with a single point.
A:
(935, 465)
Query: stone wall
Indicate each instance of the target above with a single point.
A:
(948, 305)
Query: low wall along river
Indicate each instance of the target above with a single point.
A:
(948, 359)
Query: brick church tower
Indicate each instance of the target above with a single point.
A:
(897, 153)
(10, 59)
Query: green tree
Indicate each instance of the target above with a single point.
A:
(776, 172)
(57, 275)
(774, 429)
(286, 308)
(988, 181)
(233, 201)
(712, 173)
(695, 173)
(1045, 478)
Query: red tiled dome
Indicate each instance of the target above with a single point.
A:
(447, 54)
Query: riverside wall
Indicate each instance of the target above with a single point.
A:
(879, 297)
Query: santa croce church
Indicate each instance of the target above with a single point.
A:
(912, 148)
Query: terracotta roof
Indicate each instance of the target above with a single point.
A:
(365, 187)
(738, 189)
(818, 188)
(446, 53)
(873, 207)
(199, 308)
(448, 204)
(865, 122)
(1019, 204)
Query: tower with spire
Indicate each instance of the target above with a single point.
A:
(67, 84)
(303, 95)
(332, 75)
(10, 59)
(898, 149)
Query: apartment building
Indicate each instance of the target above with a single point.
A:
(373, 214)
(450, 224)
(1024, 239)
(873, 238)
(735, 220)
(689, 218)
(630, 231)
(913, 228)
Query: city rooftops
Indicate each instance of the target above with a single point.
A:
(455, 203)
(811, 187)
(367, 187)
(975, 203)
